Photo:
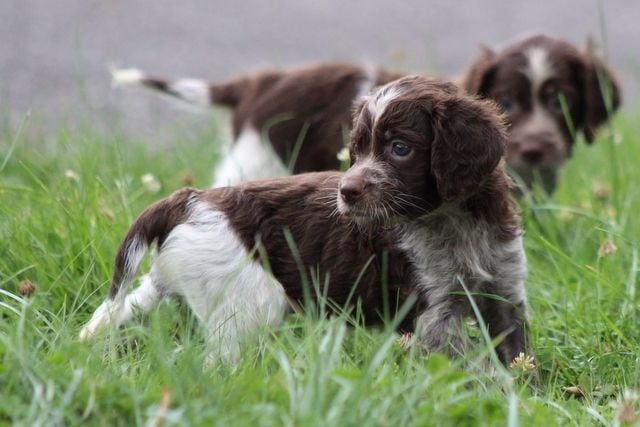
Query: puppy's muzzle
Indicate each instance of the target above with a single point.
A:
(353, 187)
(533, 149)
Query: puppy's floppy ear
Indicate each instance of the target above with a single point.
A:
(602, 95)
(479, 77)
(356, 111)
(468, 144)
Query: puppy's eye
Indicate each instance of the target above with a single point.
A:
(400, 149)
(506, 103)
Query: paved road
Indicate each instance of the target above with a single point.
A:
(54, 54)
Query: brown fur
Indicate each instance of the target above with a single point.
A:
(325, 242)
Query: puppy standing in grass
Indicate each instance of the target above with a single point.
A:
(426, 196)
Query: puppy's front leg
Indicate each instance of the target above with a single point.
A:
(507, 320)
(439, 329)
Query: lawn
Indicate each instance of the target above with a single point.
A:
(66, 201)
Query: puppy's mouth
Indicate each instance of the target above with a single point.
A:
(368, 215)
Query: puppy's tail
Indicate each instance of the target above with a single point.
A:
(193, 91)
(154, 224)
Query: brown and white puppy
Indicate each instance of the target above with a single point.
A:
(549, 90)
(284, 122)
(425, 208)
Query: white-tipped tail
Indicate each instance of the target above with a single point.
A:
(191, 90)
(126, 76)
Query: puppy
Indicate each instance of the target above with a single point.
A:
(283, 122)
(549, 90)
(423, 213)
(304, 113)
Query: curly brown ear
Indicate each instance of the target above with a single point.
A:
(479, 77)
(468, 144)
(356, 110)
(602, 95)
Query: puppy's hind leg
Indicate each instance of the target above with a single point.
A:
(248, 305)
(234, 323)
(115, 312)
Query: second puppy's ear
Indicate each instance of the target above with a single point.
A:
(468, 144)
(479, 77)
(602, 95)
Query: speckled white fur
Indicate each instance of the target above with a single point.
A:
(450, 246)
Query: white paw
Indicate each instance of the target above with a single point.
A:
(101, 318)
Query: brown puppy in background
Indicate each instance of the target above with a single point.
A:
(296, 120)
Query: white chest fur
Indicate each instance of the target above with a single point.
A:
(449, 246)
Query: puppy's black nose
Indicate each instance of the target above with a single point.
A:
(532, 153)
(351, 189)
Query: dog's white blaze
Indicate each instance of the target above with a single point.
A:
(250, 158)
(539, 68)
(233, 296)
(126, 76)
(538, 71)
(192, 90)
(378, 104)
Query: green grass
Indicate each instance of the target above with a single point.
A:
(60, 231)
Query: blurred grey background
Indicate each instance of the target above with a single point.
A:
(54, 55)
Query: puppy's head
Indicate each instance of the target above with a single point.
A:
(548, 91)
(417, 143)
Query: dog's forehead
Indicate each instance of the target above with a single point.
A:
(396, 96)
(531, 67)
(552, 45)
(538, 57)
(378, 103)
(528, 71)
(401, 105)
